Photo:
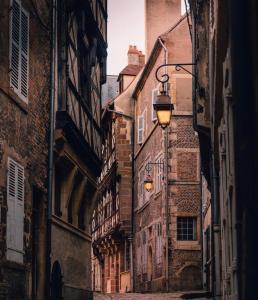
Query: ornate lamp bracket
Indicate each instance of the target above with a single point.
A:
(178, 67)
(149, 165)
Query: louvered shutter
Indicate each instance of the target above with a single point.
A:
(15, 213)
(19, 48)
(154, 98)
(140, 128)
(15, 45)
(24, 52)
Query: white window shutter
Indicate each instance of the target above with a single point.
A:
(19, 49)
(15, 213)
(140, 128)
(155, 93)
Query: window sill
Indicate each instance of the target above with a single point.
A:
(12, 96)
(187, 245)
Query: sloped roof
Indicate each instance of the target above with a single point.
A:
(132, 70)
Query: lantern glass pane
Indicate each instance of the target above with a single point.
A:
(148, 185)
(164, 116)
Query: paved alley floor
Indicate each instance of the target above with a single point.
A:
(139, 296)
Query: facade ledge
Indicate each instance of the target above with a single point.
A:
(71, 228)
(181, 182)
(187, 245)
(182, 113)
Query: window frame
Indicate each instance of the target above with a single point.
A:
(21, 53)
(140, 129)
(153, 101)
(183, 230)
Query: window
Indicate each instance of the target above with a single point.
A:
(19, 49)
(155, 93)
(144, 252)
(15, 214)
(141, 187)
(139, 254)
(141, 128)
(158, 174)
(143, 195)
(186, 228)
(158, 242)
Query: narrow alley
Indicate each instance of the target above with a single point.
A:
(128, 149)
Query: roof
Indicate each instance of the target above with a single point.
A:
(132, 70)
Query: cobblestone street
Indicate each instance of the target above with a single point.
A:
(139, 296)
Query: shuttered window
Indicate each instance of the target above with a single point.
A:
(158, 244)
(15, 213)
(19, 49)
(141, 128)
(155, 93)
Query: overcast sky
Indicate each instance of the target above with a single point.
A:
(125, 27)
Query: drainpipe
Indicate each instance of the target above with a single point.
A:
(215, 233)
(132, 268)
(166, 176)
(51, 150)
(166, 203)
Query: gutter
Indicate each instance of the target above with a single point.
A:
(51, 151)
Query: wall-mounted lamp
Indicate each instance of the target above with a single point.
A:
(148, 182)
(163, 105)
(163, 108)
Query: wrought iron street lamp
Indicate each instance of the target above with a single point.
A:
(163, 108)
(163, 105)
(148, 182)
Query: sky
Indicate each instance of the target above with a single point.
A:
(125, 27)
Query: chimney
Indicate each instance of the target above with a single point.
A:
(133, 55)
(141, 59)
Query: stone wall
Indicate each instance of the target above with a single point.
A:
(23, 137)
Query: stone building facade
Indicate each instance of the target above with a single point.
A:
(25, 88)
(112, 216)
(225, 116)
(167, 219)
(24, 103)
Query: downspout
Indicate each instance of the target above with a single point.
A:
(132, 204)
(215, 232)
(51, 150)
(166, 176)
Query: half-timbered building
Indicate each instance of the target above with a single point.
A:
(81, 64)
